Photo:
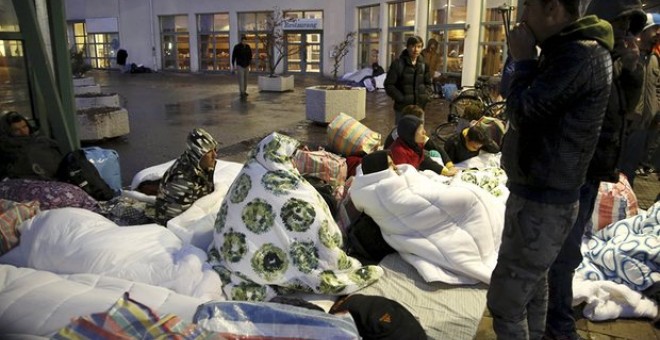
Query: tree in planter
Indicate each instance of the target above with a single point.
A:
(78, 65)
(338, 53)
(273, 41)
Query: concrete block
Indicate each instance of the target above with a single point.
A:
(323, 103)
(99, 124)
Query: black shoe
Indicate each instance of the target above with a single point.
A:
(641, 172)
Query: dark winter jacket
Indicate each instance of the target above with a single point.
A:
(624, 94)
(456, 149)
(555, 108)
(408, 84)
(241, 55)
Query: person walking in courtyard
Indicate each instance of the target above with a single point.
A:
(408, 80)
(241, 57)
(555, 104)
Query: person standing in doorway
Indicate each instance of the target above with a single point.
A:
(555, 104)
(408, 81)
(241, 57)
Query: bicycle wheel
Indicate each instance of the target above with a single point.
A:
(446, 130)
(459, 104)
(496, 110)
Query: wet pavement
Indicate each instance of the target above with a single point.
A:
(164, 107)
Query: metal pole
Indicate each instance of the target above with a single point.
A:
(505, 11)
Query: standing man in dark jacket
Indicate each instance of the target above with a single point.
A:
(242, 55)
(555, 106)
(627, 18)
(408, 80)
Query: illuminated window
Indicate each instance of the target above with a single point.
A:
(102, 49)
(252, 25)
(213, 38)
(175, 42)
(368, 35)
(446, 36)
(401, 21)
(493, 47)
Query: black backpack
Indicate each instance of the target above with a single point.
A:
(77, 170)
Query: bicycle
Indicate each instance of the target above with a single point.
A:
(478, 96)
(457, 123)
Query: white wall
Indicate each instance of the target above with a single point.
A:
(136, 23)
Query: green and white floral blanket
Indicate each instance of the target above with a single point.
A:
(275, 233)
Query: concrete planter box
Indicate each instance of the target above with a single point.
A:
(84, 81)
(323, 104)
(102, 100)
(111, 122)
(276, 84)
(87, 89)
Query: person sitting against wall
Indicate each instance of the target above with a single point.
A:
(408, 148)
(189, 178)
(24, 152)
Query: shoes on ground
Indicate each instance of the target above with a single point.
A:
(641, 172)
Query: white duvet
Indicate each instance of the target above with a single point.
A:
(448, 233)
(72, 240)
(34, 302)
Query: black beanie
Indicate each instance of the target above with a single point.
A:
(406, 129)
(375, 161)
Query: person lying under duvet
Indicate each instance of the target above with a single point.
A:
(448, 233)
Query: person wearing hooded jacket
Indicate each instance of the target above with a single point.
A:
(189, 178)
(25, 152)
(555, 105)
(408, 80)
(627, 19)
(408, 148)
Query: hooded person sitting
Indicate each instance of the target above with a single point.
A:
(189, 178)
(448, 233)
(24, 152)
(274, 231)
(408, 148)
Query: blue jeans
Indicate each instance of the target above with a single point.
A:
(559, 320)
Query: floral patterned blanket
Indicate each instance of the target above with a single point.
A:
(274, 232)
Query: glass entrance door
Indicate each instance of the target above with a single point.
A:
(303, 52)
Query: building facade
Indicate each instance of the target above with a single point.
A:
(197, 36)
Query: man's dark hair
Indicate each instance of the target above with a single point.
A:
(414, 40)
(477, 134)
(14, 117)
(572, 7)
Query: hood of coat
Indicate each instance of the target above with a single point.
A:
(198, 143)
(589, 28)
(275, 152)
(406, 129)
